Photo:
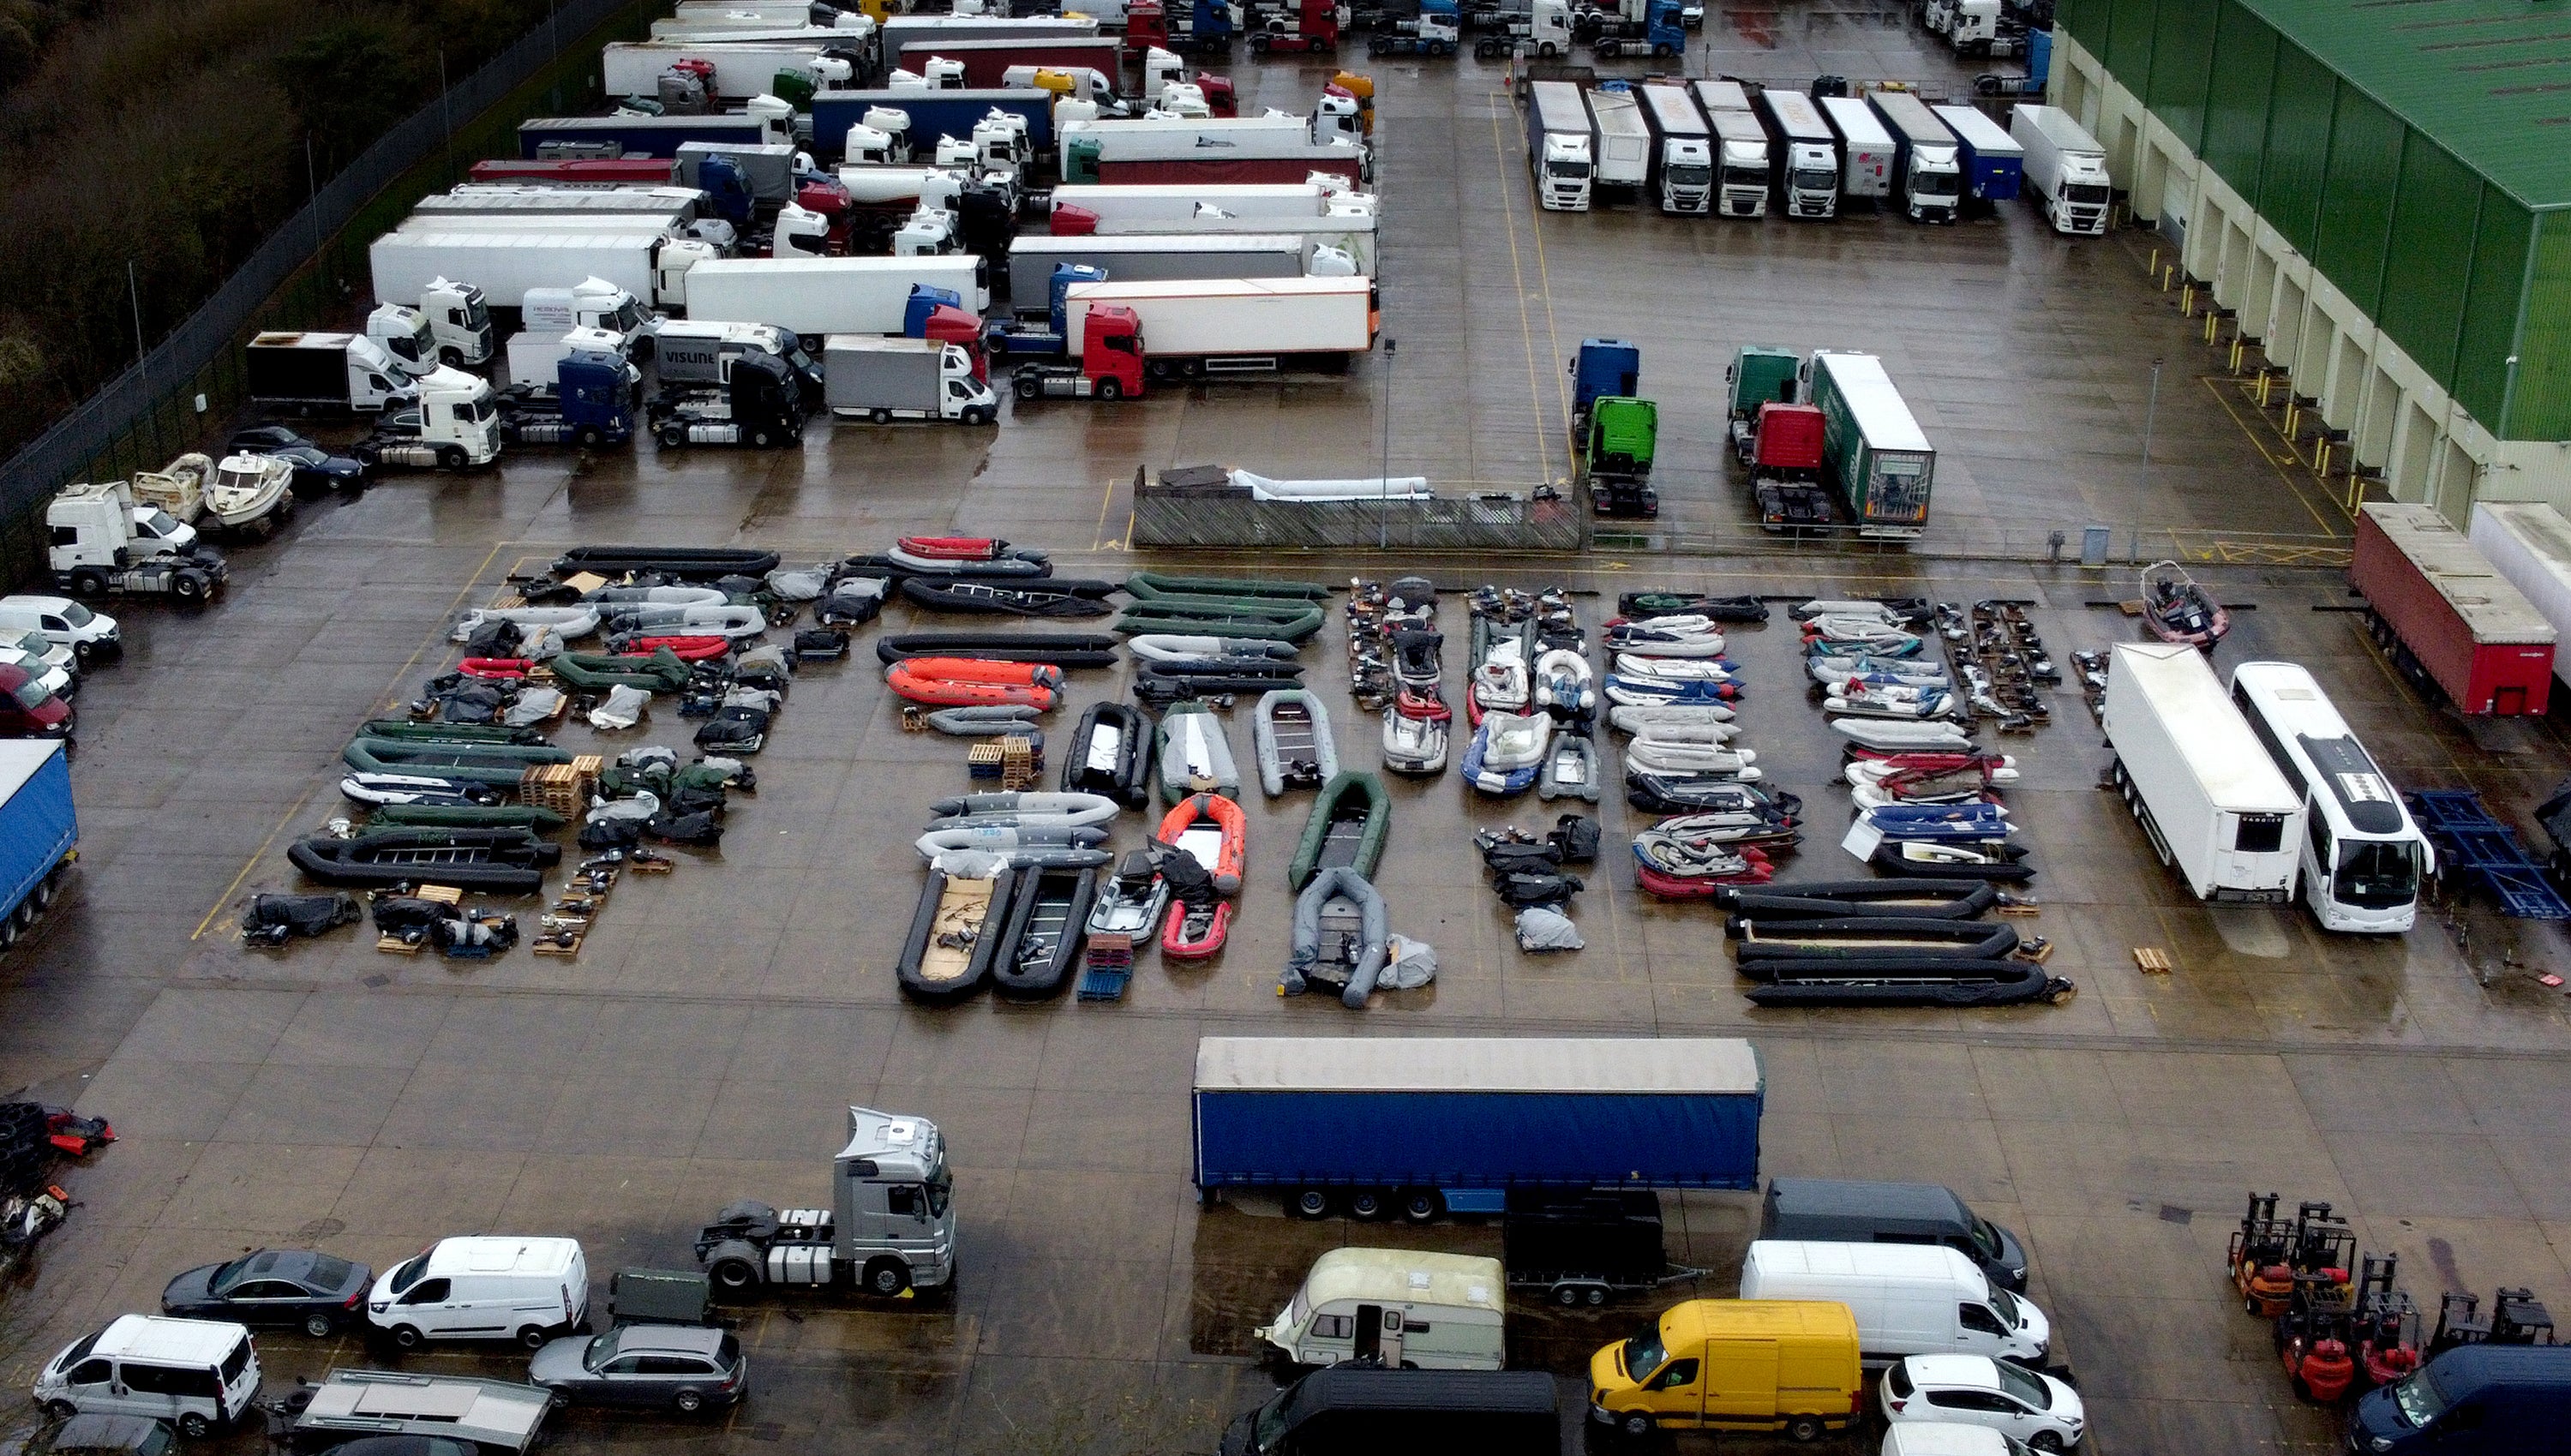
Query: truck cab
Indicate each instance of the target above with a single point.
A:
(1809, 180)
(404, 335)
(1110, 359)
(1603, 366)
(590, 304)
(455, 424)
(891, 1226)
(1567, 171)
(99, 543)
(459, 321)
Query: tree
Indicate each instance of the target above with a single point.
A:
(349, 82)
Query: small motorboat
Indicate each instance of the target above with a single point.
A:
(1507, 753)
(1570, 769)
(1870, 634)
(493, 861)
(1894, 735)
(1677, 670)
(1735, 831)
(1998, 863)
(956, 930)
(1500, 682)
(1211, 829)
(1897, 609)
(1865, 699)
(1047, 918)
(1130, 903)
(1111, 754)
(987, 723)
(1067, 650)
(1199, 918)
(1291, 732)
(1663, 755)
(1565, 685)
(1193, 754)
(1686, 635)
(1666, 692)
(1677, 725)
(1950, 822)
(1415, 735)
(1656, 720)
(2177, 609)
(1415, 666)
(1674, 862)
(1346, 829)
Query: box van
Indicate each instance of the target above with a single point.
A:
(1354, 1410)
(494, 1286)
(1733, 1365)
(1436, 1312)
(2479, 1399)
(1940, 1438)
(199, 1374)
(1909, 1299)
(1830, 1210)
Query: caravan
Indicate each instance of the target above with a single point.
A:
(1438, 1311)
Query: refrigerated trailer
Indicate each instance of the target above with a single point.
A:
(1151, 257)
(2452, 623)
(1164, 207)
(742, 68)
(1878, 462)
(669, 207)
(1802, 155)
(2529, 543)
(1620, 143)
(987, 60)
(2206, 793)
(1682, 158)
(1431, 1125)
(2065, 168)
(1928, 177)
(1234, 325)
(645, 136)
(1741, 168)
(646, 262)
(818, 296)
(1559, 154)
(1865, 148)
(1993, 163)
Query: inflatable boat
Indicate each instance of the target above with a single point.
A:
(1048, 915)
(1191, 754)
(1290, 733)
(1345, 829)
(1111, 754)
(498, 861)
(956, 931)
(1210, 828)
(1338, 906)
(1068, 651)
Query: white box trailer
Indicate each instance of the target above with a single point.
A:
(1125, 207)
(1560, 158)
(563, 223)
(506, 265)
(1620, 140)
(2196, 778)
(2529, 544)
(742, 68)
(1866, 147)
(816, 297)
(1234, 325)
(1141, 257)
(669, 206)
(1084, 147)
(1349, 231)
(1682, 151)
(1741, 160)
(2065, 168)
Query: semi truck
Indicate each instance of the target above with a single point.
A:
(1865, 148)
(1682, 151)
(98, 548)
(1616, 451)
(1603, 367)
(451, 325)
(988, 60)
(1741, 143)
(1420, 1126)
(647, 262)
(1620, 143)
(1150, 258)
(2453, 624)
(39, 831)
(454, 425)
(818, 296)
(1878, 463)
(759, 404)
(740, 68)
(890, 1227)
(2194, 776)
(315, 373)
(1779, 439)
(1559, 157)
(1991, 160)
(587, 399)
(700, 351)
(632, 135)
(1803, 155)
(885, 380)
(1927, 179)
(1193, 327)
(2529, 544)
(933, 114)
(2065, 169)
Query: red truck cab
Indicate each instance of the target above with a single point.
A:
(1146, 25)
(950, 325)
(1221, 99)
(1111, 349)
(1788, 443)
(1068, 220)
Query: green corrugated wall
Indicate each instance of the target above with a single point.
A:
(2181, 62)
(2302, 95)
(2356, 195)
(2490, 304)
(2540, 409)
(2129, 41)
(2235, 104)
(2428, 263)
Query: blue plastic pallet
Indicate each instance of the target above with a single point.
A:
(2470, 840)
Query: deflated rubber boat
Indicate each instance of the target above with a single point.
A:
(1048, 914)
(1008, 809)
(563, 622)
(1193, 756)
(1841, 900)
(663, 671)
(1052, 599)
(1984, 983)
(1069, 651)
(1340, 895)
(956, 931)
(1020, 845)
(2001, 864)
(1640, 605)
(1111, 754)
(987, 723)
(1345, 829)
(497, 861)
(1675, 863)
(686, 563)
(1146, 586)
(1682, 636)
(500, 764)
(419, 788)
(1290, 733)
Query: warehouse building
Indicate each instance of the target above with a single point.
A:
(2381, 191)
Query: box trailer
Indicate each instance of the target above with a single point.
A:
(1146, 208)
(818, 296)
(2452, 622)
(1560, 158)
(2065, 169)
(1681, 179)
(2529, 543)
(669, 207)
(1993, 162)
(1234, 325)
(1741, 160)
(885, 380)
(1928, 170)
(1865, 148)
(933, 114)
(1878, 462)
(642, 136)
(1151, 257)
(39, 831)
(593, 173)
(1453, 1124)
(988, 60)
(900, 31)
(1349, 229)
(2206, 793)
(1277, 162)
(1620, 141)
(505, 265)
(742, 68)
(325, 372)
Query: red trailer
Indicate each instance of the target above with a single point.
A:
(622, 171)
(987, 62)
(2449, 620)
(1207, 171)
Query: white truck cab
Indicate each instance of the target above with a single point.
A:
(404, 332)
(455, 424)
(590, 304)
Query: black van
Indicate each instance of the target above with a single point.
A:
(1831, 1210)
(1353, 1410)
(2512, 1399)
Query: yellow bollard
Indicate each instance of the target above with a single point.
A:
(2320, 458)
(2290, 423)
(2155, 266)
(2235, 353)
(2209, 319)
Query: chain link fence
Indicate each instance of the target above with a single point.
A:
(307, 274)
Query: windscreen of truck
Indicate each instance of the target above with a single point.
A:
(2085, 192)
(940, 1180)
(1935, 184)
(1812, 180)
(2376, 875)
(1691, 175)
(477, 315)
(474, 411)
(627, 317)
(1558, 168)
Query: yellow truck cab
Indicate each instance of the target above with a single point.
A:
(1733, 1365)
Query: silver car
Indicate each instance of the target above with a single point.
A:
(681, 1367)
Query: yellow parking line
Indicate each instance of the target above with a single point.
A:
(2291, 486)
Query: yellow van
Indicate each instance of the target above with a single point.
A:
(1733, 1365)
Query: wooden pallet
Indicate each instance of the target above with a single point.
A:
(2152, 960)
(436, 894)
(562, 787)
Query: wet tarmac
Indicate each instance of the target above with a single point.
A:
(703, 1043)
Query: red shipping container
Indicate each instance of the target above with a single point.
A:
(594, 172)
(1789, 438)
(2437, 603)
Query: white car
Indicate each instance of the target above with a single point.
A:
(1938, 1438)
(37, 645)
(63, 620)
(1976, 1390)
(57, 681)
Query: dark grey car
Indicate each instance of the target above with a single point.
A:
(680, 1367)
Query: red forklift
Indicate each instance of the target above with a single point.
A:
(2268, 1253)
(1316, 30)
(2385, 1326)
(2312, 1335)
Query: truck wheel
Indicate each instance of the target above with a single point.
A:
(733, 1274)
(887, 1278)
(759, 438)
(1028, 388)
(1422, 1205)
(1259, 46)
(190, 585)
(1366, 1205)
(89, 582)
(1661, 52)
(1110, 390)
(46, 889)
(977, 416)
(588, 438)
(883, 416)
(1635, 1424)
(1309, 1202)
(531, 1338)
(450, 457)
(8, 933)
(673, 437)
(451, 357)
(1804, 1428)
(1548, 51)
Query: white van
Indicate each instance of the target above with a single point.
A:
(1908, 1299)
(199, 1374)
(1435, 1312)
(491, 1286)
(64, 622)
(1940, 1438)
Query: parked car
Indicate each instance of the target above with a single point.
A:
(1976, 1390)
(681, 1367)
(1940, 1438)
(90, 634)
(492, 1286)
(36, 645)
(404, 1446)
(28, 710)
(199, 1373)
(289, 1288)
(57, 681)
(99, 1435)
(316, 469)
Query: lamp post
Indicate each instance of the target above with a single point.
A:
(2151, 413)
(1384, 484)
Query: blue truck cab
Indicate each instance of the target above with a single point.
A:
(1604, 366)
(2504, 1401)
(1006, 338)
(925, 300)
